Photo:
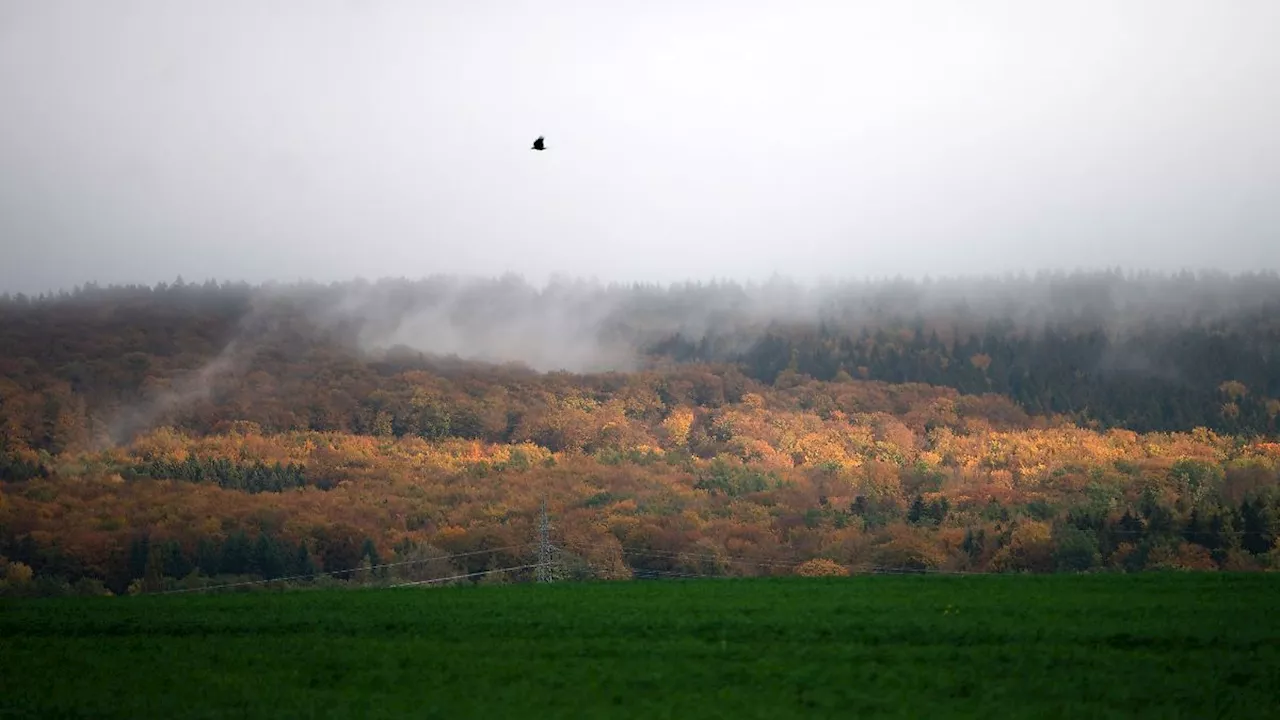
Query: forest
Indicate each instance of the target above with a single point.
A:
(179, 435)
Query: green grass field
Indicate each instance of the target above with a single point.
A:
(1151, 645)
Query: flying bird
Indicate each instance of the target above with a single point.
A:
(537, 144)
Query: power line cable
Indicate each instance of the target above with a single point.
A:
(338, 572)
(467, 575)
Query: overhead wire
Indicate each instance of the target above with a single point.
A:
(762, 562)
(323, 573)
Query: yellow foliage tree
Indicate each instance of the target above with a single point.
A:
(17, 574)
(904, 548)
(1233, 389)
(1030, 549)
(676, 427)
(821, 567)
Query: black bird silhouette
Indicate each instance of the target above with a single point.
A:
(537, 144)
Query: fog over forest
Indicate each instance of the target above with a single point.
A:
(1148, 351)
(588, 326)
(582, 325)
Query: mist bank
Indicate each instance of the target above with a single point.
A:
(582, 325)
(1145, 351)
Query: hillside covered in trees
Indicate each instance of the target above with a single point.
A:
(1168, 353)
(179, 433)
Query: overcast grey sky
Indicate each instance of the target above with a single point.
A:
(249, 139)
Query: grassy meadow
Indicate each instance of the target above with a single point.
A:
(1166, 645)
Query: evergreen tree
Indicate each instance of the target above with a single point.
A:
(304, 565)
(237, 553)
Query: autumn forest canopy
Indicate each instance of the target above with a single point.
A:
(179, 434)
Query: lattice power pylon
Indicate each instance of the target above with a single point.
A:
(546, 553)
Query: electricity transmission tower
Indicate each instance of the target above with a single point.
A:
(546, 554)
